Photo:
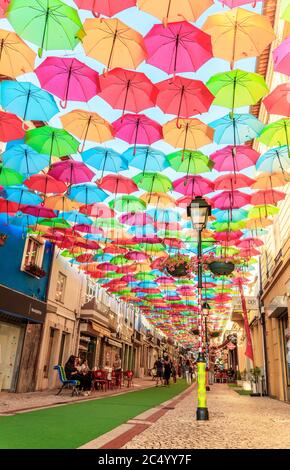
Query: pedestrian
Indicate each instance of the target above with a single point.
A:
(174, 371)
(187, 374)
(72, 373)
(167, 370)
(158, 366)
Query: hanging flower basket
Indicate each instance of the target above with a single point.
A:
(35, 270)
(179, 266)
(221, 268)
(3, 239)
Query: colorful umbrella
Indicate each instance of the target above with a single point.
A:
(233, 181)
(105, 7)
(145, 158)
(189, 162)
(127, 204)
(87, 193)
(104, 159)
(153, 182)
(45, 184)
(173, 10)
(263, 211)
(275, 159)
(9, 177)
(51, 24)
(69, 79)
(127, 90)
(10, 127)
(60, 203)
(183, 97)
(270, 180)
(158, 199)
(16, 57)
(230, 200)
(38, 211)
(238, 3)
(276, 134)
(281, 57)
(237, 88)
(22, 195)
(278, 101)
(178, 47)
(117, 184)
(193, 186)
(137, 129)
(236, 129)
(267, 196)
(24, 160)
(235, 159)
(87, 126)
(238, 33)
(113, 43)
(190, 133)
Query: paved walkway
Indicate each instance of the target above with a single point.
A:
(13, 402)
(236, 421)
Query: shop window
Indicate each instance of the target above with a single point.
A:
(60, 287)
(32, 254)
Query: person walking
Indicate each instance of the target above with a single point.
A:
(187, 373)
(174, 371)
(167, 370)
(158, 366)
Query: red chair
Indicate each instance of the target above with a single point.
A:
(128, 376)
(99, 377)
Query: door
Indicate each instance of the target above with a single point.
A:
(283, 320)
(10, 345)
(29, 358)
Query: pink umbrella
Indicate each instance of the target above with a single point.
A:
(128, 278)
(136, 218)
(45, 184)
(69, 79)
(127, 90)
(3, 7)
(267, 196)
(183, 97)
(230, 200)
(235, 159)
(238, 3)
(137, 129)
(183, 201)
(38, 211)
(97, 210)
(248, 253)
(105, 7)
(137, 256)
(281, 57)
(88, 229)
(278, 101)
(228, 236)
(233, 181)
(249, 242)
(71, 172)
(117, 184)
(180, 47)
(193, 186)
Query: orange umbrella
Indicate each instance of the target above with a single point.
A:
(174, 10)
(160, 200)
(16, 57)
(61, 203)
(270, 180)
(238, 33)
(113, 43)
(255, 224)
(187, 133)
(87, 126)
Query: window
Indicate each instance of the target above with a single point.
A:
(90, 290)
(60, 287)
(33, 253)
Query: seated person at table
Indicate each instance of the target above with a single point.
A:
(72, 373)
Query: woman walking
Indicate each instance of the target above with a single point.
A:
(167, 370)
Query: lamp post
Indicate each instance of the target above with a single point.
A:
(205, 311)
(198, 211)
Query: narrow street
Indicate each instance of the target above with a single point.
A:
(235, 422)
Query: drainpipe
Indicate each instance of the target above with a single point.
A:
(263, 324)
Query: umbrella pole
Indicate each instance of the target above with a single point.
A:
(136, 135)
(104, 164)
(175, 54)
(185, 139)
(232, 63)
(287, 140)
(26, 106)
(40, 50)
(112, 48)
(126, 97)
(179, 106)
(64, 104)
(280, 163)
(86, 134)
(51, 149)
(145, 163)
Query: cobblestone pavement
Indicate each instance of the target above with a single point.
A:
(13, 402)
(235, 421)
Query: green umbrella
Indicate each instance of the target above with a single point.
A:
(285, 10)
(9, 177)
(54, 222)
(127, 204)
(50, 24)
(108, 223)
(189, 162)
(237, 88)
(223, 226)
(169, 234)
(120, 260)
(276, 134)
(112, 275)
(51, 141)
(152, 247)
(153, 182)
(144, 276)
(262, 211)
(229, 251)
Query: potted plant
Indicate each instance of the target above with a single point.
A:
(35, 270)
(179, 265)
(221, 266)
(195, 332)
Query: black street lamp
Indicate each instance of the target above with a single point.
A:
(205, 311)
(198, 211)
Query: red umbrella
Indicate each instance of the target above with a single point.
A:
(9, 207)
(278, 101)
(71, 172)
(235, 159)
(267, 196)
(127, 90)
(97, 210)
(248, 253)
(69, 79)
(230, 200)
(10, 127)
(183, 97)
(233, 181)
(115, 250)
(117, 184)
(105, 7)
(178, 47)
(136, 218)
(88, 229)
(85, 258)
(137, 129)
(38, 211)
(249, 243)
(45, 184)
(193, 186)
(228, 236)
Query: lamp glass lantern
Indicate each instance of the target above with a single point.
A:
(199, 211)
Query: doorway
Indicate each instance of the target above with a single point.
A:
(11, 339)
(284, 331)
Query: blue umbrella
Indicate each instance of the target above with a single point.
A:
(146, 158)
(275, 159)
(104, 159)
(22, 220)
(148, 285)
(87, 193)
(76, 217)
(102, 257)
(141, 231)
(97, 237)
(225, 216)
(11, 143)
(24, 160)
(27, 101)
(22, 195)
(236, 129)
(164, 215)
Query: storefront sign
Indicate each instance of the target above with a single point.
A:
(19, 305)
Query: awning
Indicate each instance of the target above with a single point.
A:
(114, 343)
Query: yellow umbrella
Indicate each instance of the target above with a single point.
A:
(254, 224)
(187, 133)
(174, 10)
(61, 203)
(16, 57)
(238, 33)
(87, 126)
(113, 43)
(160, 200)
